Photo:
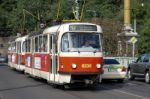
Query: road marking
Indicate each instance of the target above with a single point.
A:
(131, 94)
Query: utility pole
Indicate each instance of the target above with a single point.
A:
(128, 32)
(76, 10)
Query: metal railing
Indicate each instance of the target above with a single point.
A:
(124, 60)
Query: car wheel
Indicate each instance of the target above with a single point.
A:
(147, 77)
(130, 75)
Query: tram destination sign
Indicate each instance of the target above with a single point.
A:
(80, 27)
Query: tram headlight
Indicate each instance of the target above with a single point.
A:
(98, 65)
(62, 66)
(74, 66)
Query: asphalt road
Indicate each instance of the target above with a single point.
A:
(15, 85)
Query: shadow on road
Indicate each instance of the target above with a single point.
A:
(105, 85)
(140, 80)
(110, 85)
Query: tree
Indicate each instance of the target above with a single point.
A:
(142, 14)
(108, 13)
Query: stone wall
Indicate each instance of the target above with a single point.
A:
(4, 44)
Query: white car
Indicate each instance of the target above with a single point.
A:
(113, 70)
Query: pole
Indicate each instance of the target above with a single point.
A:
(58, 9)
(127, 9)
(127, 48)
(77, 9)
(133, 50)
(135, 24)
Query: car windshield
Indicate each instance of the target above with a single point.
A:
(110, 61)
(81, 42)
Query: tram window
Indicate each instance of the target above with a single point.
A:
(28, 45)
(65, 43)
(45, 47)
(19, 47)
(36, 44)
(9, 48)
(14, 47)
(23, 47)
(40, 44)
(75, 41)
(50, 43)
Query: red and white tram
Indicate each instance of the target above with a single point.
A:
(16, 53)
(65, 54)
(11, 51)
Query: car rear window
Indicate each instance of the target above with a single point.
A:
(111, 61)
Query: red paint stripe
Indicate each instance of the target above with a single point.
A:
(79, 61)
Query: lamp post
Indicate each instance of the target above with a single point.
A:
(128, 33)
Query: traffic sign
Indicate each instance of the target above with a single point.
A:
(133, 40)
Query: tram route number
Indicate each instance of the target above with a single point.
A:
(86, 66)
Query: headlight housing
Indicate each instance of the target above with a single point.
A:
(74, 66)
(98, 65)
(62, 66)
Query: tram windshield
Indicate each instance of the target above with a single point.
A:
(81, 42)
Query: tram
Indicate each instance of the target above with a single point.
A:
(16, 53)
(65, 54)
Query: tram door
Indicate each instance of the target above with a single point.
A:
(53, 58)
(19, 51)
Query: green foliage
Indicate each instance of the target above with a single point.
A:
(13, 20)
(142, 14)
(144, 40)
(12, 11)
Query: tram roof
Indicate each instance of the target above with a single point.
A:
(12, 39)
(65, 27)
(36, 33)
(22, 38)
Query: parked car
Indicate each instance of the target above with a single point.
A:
(140, 68)
(113, 70)
(3, 59)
